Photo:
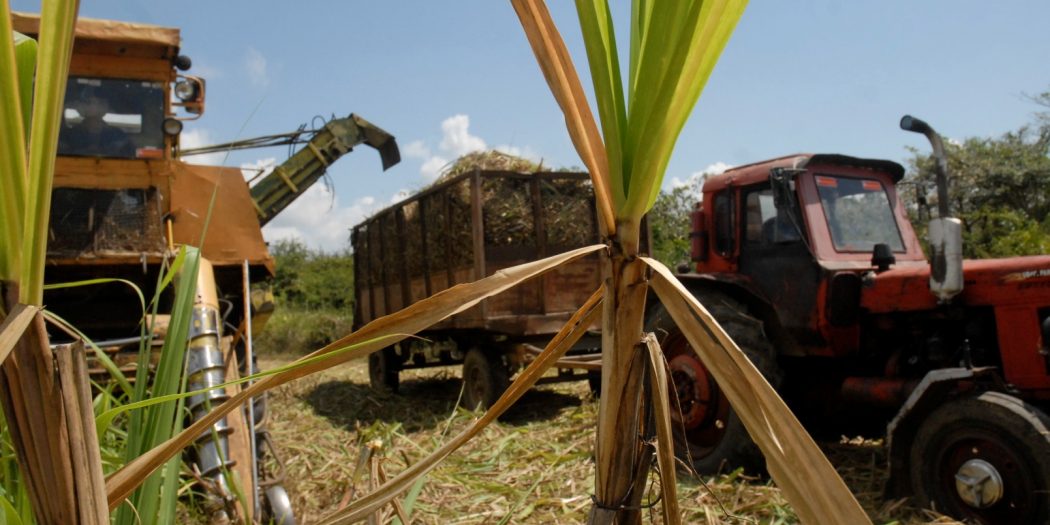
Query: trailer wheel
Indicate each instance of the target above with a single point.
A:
(708, 433)
(984, 459)
(384, 370)
(484, 378)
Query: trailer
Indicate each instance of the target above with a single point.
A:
(466, 228)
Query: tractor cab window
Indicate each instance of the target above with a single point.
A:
(114, 118)
(764, 224)
(859, 214)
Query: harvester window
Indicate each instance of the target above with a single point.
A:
(859, 214)
(115, 118)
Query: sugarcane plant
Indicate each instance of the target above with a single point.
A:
(673, 49)
(46, 401)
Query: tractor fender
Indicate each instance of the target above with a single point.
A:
(936, 387)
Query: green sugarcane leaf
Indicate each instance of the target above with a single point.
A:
(57, 21)
(17, 60)
(600, 41)
(641, 15)
(677, 57)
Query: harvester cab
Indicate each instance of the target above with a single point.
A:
(123, 200)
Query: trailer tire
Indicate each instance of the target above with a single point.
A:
(485, 378)
(708, 433)
(384, 370)
(998, 442)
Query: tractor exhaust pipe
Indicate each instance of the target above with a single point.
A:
(910, 123)
(945, 233)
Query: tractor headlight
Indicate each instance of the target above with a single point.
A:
(186, 90)
(172, 126)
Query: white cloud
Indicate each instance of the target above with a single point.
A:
(712, 169)
(196, 138)
(255, 66)
(415, 150)
(456, 141)
(319, 220)
(431, 168)
(456, 138)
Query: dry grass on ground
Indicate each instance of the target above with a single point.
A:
(534, 466)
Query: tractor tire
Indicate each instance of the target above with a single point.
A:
(384, 370)
(984, 459)
(485, 378)
(709, 435)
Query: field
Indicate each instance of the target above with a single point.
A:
(534, 466)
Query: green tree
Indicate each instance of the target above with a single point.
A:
(312, 278)
(999, 187)
(670, 223)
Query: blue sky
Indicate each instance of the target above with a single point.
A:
(448, 77)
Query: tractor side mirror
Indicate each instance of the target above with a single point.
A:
(882, 257)
(782, 182)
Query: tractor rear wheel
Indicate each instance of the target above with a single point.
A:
(984, 459)
(384, 370)
(708, 433)
(485, 378)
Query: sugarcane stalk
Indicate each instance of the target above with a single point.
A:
(622, 459)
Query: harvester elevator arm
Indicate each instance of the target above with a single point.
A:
(275, 191)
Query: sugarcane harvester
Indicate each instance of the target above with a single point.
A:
(123, 198)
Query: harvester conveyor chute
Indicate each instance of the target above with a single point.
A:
(278, 189)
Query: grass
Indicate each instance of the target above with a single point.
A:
(534, 466)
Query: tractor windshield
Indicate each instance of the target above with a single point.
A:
(859, 214)
(117, 118)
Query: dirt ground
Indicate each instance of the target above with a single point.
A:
(534, 466)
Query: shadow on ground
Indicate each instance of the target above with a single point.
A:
(422, 403)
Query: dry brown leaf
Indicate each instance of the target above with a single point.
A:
(380, 333)
(558, 69)
(13, 327)
(664, 440)
(799, 468)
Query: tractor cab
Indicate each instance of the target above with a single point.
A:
(803, 233)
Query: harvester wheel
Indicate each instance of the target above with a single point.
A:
(708, 433)
(384, 370)
(984, 459)
(278, 509)
(485, 378)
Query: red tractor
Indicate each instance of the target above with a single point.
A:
(810, 263)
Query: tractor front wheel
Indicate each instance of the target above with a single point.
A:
(708, 433)
(984, 459)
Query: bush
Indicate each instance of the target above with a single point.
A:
(297, 331)
(314, 292)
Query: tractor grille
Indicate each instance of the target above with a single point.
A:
(104, 221)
